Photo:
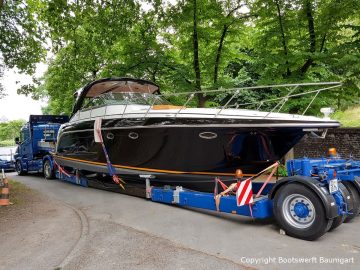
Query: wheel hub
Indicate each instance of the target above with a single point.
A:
(301, 210)
(47, 169)
(298, 211)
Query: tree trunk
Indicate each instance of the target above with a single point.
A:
(94, 73)
(201, 101)
(322, 46)
(218, 53)
(283, 40)
(221, 42)
(312, 36)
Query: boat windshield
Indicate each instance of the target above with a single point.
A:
(124, 98)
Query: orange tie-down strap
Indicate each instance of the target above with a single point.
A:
(234, 186)
(167, 107)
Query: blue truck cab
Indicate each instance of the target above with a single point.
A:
(37, 140)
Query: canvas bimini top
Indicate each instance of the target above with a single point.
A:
(114, 85)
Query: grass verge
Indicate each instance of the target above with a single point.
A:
(348, 118)
(17, 192)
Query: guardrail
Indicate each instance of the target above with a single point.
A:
(233, 102)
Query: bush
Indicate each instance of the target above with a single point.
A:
(348, 118)
(7, 143)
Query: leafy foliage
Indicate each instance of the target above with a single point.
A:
(349, 117)
(193, 45)
(10, 130)
(301, 41)
(21, 36)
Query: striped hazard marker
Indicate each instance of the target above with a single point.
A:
(4, 196)
(244, 194)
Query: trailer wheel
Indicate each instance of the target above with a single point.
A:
(337, 222)
(341, 218)
(19, 168)
(300, 212)
(356, 199)
(48, 170)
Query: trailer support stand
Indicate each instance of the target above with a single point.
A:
(148, 187)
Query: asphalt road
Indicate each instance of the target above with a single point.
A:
(123, 232)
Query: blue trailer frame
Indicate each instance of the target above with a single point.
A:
(309, 181)
(260, 209)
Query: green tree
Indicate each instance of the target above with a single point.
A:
(87, 40)
(10, 130)
(195, 45)
(203, 38)
(21, 38)
(305, 40)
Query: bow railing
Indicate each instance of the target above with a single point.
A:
(234, 93)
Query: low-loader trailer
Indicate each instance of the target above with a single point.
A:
(317, 196)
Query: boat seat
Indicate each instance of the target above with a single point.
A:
(166, 107)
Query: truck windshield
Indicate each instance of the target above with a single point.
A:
(125, 98)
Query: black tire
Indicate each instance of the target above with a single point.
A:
(19, 168)
(310, 223)
(339, 219)
(354, 193)
(337, 222)
(48, 170)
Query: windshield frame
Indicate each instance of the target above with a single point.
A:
(81, 94)
(134, 98)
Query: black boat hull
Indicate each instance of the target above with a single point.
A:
(191, 156)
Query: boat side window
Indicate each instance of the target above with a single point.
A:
(124, 98)
(94, 102)
(157, 100)
(85, 103)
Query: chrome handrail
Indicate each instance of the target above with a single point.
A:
(183, 106)
(250, 88)
(294, 95)
(227, 103)
(150, 107)
(236, 91)
(287, 97)
(282, 100)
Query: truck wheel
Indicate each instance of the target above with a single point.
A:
(48, 170)
(356, 199)
(19, 168)
(300, 212)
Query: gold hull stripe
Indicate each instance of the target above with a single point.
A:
(148, 169)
